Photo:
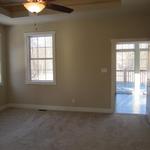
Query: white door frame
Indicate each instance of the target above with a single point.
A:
(113, 66)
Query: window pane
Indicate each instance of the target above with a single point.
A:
(41, 52)
(49, 75)
(49, 41)
(34, 75)
(125, 46)
(33, 42)
(49, 53)
(42, 69)
(49, 69)
(41, 42)
(34, 53)
(34, 70)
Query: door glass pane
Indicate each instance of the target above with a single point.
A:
(143, 60)
(143, 70)
(143, 45)
(125, 71)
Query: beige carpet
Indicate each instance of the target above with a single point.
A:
(33, 130)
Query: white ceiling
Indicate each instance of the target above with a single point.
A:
(141, 7)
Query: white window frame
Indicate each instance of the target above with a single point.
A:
(27, 58)
(1, 61)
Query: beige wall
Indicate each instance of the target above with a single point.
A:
(83, 47)
(3, 99)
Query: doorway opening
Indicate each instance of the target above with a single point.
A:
(131, 77)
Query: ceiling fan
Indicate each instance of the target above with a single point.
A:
(36, 6)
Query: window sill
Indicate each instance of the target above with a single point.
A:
(40, 83)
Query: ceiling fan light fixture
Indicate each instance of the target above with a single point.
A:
(34, 7)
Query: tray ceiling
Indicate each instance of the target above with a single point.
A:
(18, 15)
(77, 5)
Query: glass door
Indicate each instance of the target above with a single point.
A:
(131, 77)
(125, 56)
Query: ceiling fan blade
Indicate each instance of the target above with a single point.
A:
(59, 8)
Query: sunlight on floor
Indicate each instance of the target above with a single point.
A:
(131, 103)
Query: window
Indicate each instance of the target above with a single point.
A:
(0, 63)
(40, 56)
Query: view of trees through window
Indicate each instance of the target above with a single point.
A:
(125, 65)
(41, 58)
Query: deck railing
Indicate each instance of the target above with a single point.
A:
(143, 76)
(127, 76)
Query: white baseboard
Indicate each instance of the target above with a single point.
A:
(3, 107)
(61, 108)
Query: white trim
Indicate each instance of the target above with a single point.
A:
(113, 65)
(3, 107)
(60, 108)
(113, 75)
(27, 69)
(130, 40)
(40, 82)
(39, 33)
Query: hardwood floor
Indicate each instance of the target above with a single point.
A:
(131, 103)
